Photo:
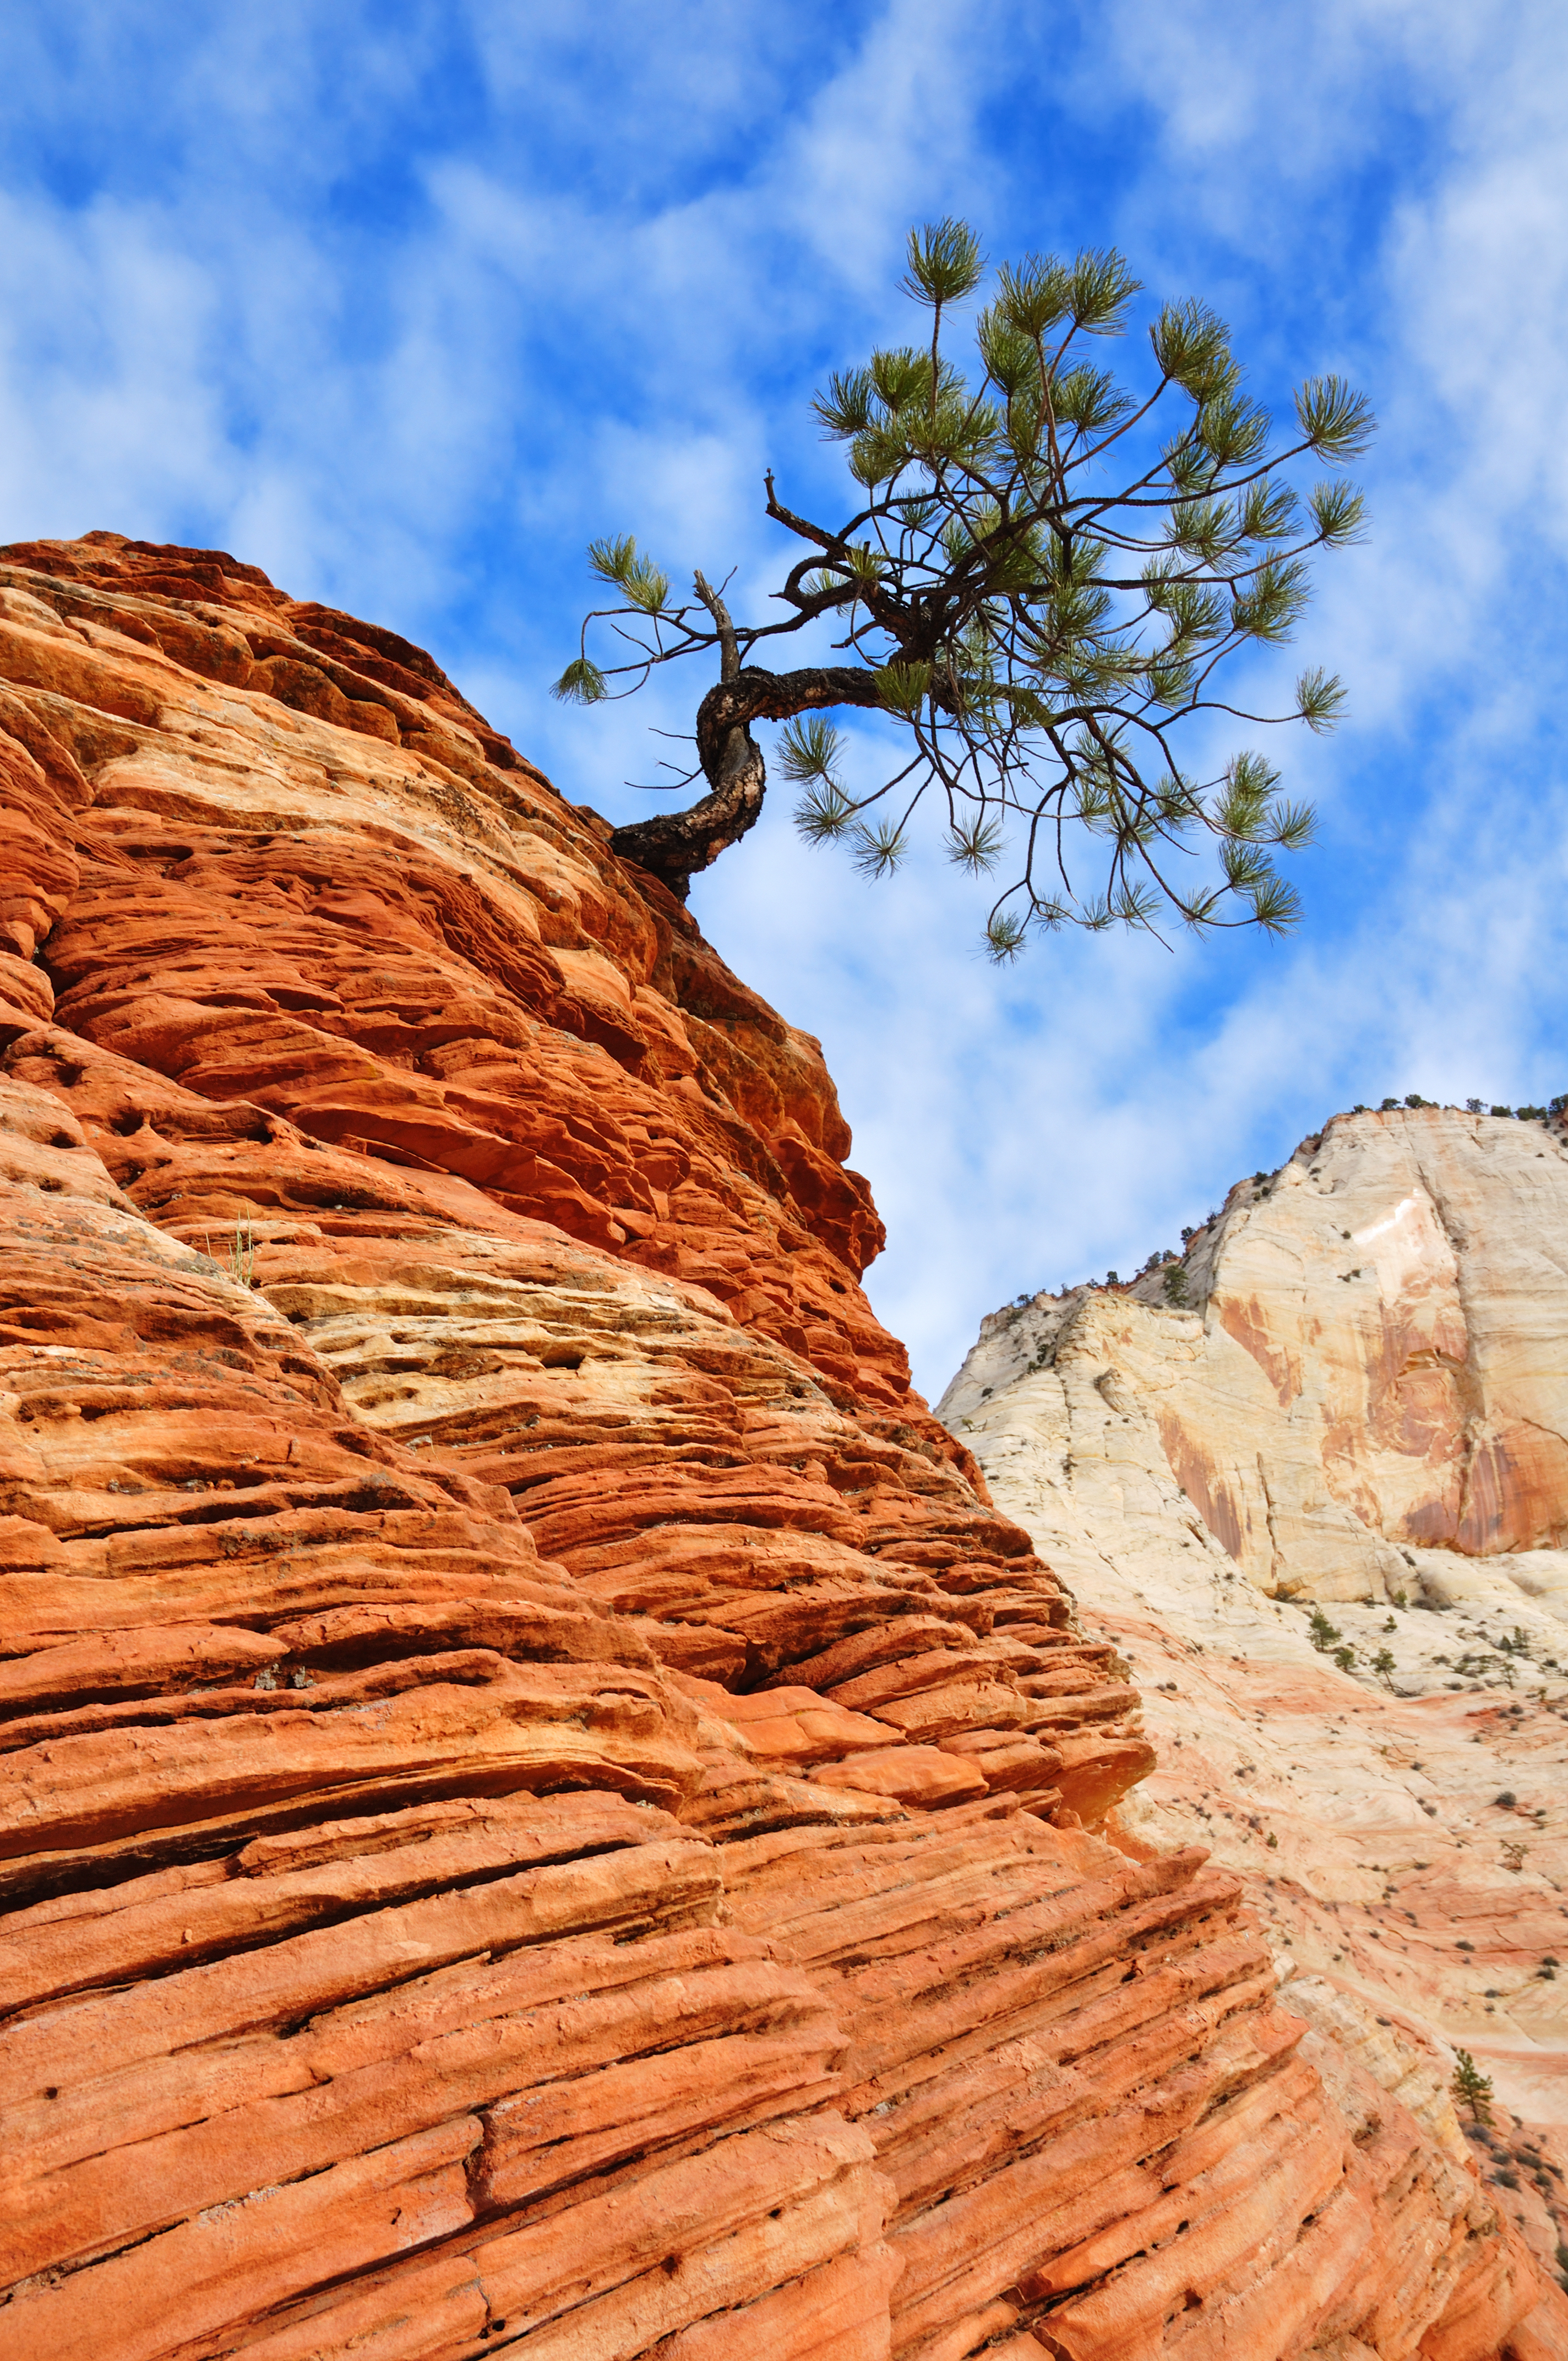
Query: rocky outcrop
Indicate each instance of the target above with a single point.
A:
(1360, 1359)
(1384, 1770)
(546, 1808)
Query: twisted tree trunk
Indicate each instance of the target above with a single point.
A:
(675, 845)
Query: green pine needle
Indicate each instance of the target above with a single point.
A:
(904, 688)
(1276, 906)
(613, 558)
(1005, 938)
(1337, 421)
(808, 749)
(824, 812)
(845, 409)
(945, 262)
(1032, 296)
(880, 850)
(1100, 288)
(1192, 347)
(1319, 699)
(582, 683)
(1339, 512)
(977, 847)
(616, 561)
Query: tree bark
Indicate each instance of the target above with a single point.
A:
(675, 845)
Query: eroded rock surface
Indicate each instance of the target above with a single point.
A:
(1369, 1363)
(1371, 1730)
(545, 1807)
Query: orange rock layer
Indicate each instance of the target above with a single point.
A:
(546, 1809)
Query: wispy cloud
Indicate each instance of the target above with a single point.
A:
(405, 302)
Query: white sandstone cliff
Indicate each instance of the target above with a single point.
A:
(1364, 1402)
(1371, 1381)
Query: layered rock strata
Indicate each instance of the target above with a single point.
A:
(1372, 1731)
(546, 1808)
(1359, 1361)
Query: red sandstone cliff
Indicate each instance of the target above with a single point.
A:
(545, 1810)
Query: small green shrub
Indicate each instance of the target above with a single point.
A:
(239, 1261)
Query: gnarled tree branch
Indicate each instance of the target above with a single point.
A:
(677, 845)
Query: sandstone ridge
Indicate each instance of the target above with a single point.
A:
(1360, 1360)
(1316, 1501)
(547, 1807)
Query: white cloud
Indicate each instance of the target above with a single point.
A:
(404, 303)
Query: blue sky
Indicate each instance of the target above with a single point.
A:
(405, 302)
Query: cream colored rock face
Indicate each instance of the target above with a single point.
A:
(1372, 1366)
(1344, 1420)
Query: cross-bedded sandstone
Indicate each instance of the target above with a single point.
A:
(545, 1806)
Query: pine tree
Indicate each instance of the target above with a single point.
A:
(1320, 1631)
(1039, 577)
(1471, 2087)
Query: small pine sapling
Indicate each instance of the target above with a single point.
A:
(1470, 2087)
(1321, 1632)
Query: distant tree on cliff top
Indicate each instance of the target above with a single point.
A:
(1039, 576)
